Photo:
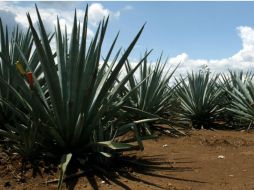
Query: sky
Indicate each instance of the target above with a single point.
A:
(217, 34)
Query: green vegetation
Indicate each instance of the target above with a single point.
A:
(200, 99)
(153, 97)
(67, 103)
(242, 98)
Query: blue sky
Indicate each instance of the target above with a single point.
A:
(203, 29)
(218, 34)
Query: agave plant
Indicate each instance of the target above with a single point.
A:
(154, 96)
(17, 125)
(241, 99)
(9, 57)
(200, 98)
(72, 109)
(229, 82)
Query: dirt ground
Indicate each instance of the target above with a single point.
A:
(205, 160)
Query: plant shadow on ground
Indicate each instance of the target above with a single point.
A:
(128, 168)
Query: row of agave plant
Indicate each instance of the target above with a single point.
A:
(72, 105)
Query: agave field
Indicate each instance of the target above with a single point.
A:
(66, 105)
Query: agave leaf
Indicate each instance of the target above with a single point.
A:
(116, 146)
(138, 137)
(63, 166)
(37, 85)
(101, 93)
(47, 61)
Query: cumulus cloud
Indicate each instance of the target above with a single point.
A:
(242, 60)
(96, 12)
(14, 14)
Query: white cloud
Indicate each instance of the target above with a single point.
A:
(96, 12)
(178, 59)
(246, 33)
(16, 14)
(242, 60)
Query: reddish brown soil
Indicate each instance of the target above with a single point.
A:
(187, 163)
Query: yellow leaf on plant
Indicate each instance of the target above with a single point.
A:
(20, 68)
